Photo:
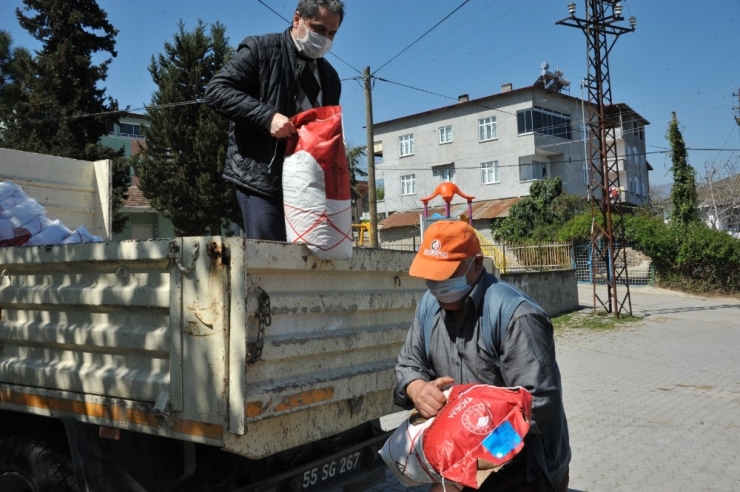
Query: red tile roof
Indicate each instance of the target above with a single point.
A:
(135, 198)
(485, 209)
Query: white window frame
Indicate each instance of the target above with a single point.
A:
(406, 144)
(487, 129)
(134, 133)
(408, 185)
(445, 134)
(586, 173)
(538, 165)
(489, 172)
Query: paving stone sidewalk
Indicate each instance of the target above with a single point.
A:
(654, 405)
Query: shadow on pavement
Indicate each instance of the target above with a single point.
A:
(650, 312)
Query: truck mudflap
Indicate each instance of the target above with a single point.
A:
(355, 467)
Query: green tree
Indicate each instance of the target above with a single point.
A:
(354, 156)
(541, 214)
(180, 169)
(12, 69)
(683, 192)
(46, 99)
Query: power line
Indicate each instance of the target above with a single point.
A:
(108, 113)
(422, 36)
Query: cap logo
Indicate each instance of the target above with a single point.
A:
(434, 250)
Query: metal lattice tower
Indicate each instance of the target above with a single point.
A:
(609, 263)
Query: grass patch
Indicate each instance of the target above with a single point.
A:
(587, 320)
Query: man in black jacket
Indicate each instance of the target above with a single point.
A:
(271, 78)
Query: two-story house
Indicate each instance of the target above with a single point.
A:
(144, 222)
(494, 148)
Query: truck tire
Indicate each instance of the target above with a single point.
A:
(32, 465)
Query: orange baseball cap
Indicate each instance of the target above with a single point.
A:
(446, 243)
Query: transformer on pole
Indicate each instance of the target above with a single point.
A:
(609, 256)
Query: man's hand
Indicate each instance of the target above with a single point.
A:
(427, 395)
(281, 127)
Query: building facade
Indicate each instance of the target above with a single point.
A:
(144, 222)
(495, 147)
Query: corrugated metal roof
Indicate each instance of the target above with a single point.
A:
(723, 192)
(485, 209)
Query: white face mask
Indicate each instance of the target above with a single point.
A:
(313, 44)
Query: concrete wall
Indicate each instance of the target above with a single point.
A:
(555, 291)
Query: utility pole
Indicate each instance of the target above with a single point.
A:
(607, 241)
(737, 108)
(371, 194)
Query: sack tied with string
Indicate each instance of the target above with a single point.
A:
(316, 190)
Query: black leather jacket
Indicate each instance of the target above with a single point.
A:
(256, 83)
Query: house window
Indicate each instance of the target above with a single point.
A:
(733, 223)
(445, 134)
(446, 174)
(532, 170)
(408, 184)
(380, 190)
(584, 170)
(131, 130)
(644, 188)
(545, 121)
(407, 144)
(489, 172)
(487, 129)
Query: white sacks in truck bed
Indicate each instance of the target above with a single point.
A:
(316, 190)
(23, 221)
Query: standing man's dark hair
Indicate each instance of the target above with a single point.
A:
(271, 78)
(309, 8)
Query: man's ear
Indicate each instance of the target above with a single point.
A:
(296, 18)
(479, 260)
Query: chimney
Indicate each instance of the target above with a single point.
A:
(506, 87)
(463, 98)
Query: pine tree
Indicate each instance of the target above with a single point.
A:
(180, 171)
(12, 61)
(683, 191)
(354, 154)
(60, 83)
(46, 99)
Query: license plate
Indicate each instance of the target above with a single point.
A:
(332, 469)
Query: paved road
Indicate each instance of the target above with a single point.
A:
(655, 405)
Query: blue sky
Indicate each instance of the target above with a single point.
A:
(683, 57)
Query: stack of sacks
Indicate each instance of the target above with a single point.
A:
(23, 221)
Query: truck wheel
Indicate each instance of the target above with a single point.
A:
(31, 465)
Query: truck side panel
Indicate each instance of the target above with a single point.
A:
(329, 353)
(75, 192)
(98, 332)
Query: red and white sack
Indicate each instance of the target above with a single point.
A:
(479, 430)
(316, 190)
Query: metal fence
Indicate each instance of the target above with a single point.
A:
(528, 257)
(640, 270)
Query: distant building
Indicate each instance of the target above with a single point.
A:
(718, 204)
(494, 148)
(144, 222)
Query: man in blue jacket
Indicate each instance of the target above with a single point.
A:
(271, 78)
(471, 328)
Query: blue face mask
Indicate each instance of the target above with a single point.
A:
(450, 290)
